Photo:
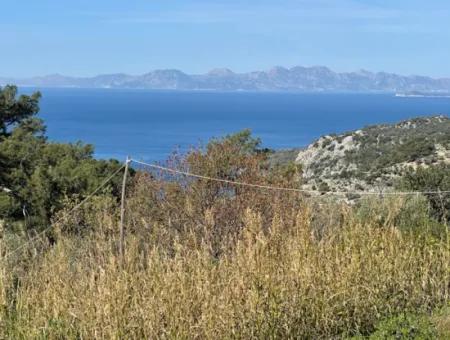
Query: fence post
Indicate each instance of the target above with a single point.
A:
(122, 213)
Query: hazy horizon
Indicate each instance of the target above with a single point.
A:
(221, 68)
(86, 38)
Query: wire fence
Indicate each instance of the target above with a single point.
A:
(275, 188)
(219, 180)
(69, 213)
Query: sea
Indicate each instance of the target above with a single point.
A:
(150, 125)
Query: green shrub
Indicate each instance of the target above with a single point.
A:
(433, 178)
(405, 326)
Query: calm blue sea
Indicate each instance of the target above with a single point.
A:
(149, 125)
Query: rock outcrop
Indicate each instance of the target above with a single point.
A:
(374, 157)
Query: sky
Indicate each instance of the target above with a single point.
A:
(90, 37)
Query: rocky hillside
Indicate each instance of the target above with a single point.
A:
(374, 157)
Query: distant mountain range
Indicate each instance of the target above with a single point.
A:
(315, 79)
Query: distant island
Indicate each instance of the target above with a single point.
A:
(295, 79)
(436, 94)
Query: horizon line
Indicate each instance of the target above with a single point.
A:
(225, 69)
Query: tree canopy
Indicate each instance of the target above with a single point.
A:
(14, 109)
(37, 176)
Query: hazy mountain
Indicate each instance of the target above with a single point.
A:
(297, 78)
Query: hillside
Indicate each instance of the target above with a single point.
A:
(374, 157)
(299, 78)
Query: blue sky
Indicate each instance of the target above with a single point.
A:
(88, 37)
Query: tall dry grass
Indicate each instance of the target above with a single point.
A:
(278, 281)
(206, 260)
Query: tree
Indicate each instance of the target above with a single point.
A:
(13, 109)
(37, 176)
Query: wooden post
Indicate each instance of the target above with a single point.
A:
(122, 213)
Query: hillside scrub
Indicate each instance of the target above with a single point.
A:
(376, 157)
(430, 178)
(211, 260)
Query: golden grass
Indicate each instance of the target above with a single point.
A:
(280, 279)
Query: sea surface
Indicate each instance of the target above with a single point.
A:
(149, 125)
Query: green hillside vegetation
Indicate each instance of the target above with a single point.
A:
(384, 146)
(207, 259)
(378, 158)
(428, 179)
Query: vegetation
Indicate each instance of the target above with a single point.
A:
(428, 179)
(281, 157)
(382, 146)
(37, 177)
(377, 156)
(209, 259)
(248, 265)
(405, 326)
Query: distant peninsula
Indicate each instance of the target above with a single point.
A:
(436, 94)
(295, 79)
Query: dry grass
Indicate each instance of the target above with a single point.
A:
(276, 282)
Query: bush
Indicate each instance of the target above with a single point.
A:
(433, 178)
(408, 214)
(405, 326)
